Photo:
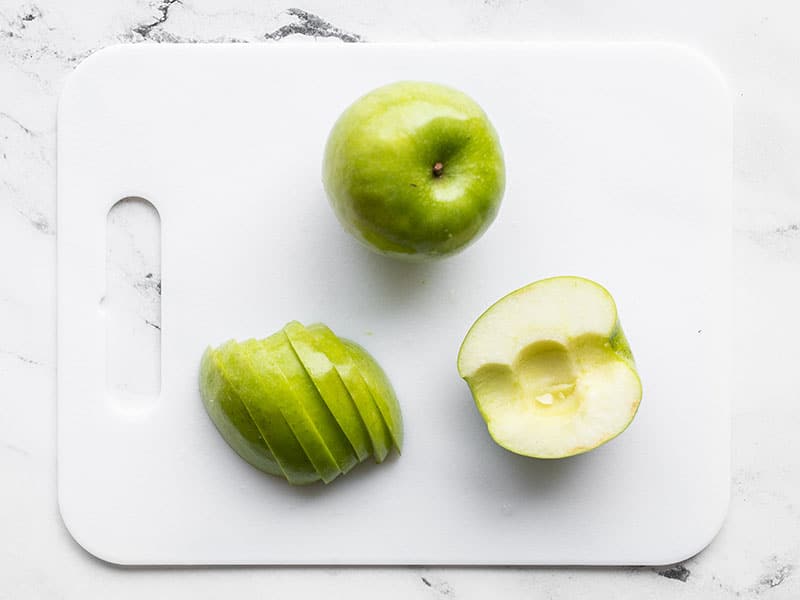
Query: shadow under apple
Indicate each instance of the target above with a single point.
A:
(345, 264)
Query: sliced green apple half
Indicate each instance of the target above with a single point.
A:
(550, 369)
(297, 405)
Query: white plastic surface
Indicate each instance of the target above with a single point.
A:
(618, 159)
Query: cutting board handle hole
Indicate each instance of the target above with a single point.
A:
(131, 307)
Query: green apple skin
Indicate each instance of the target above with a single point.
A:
(382, 391)
(288, 403)
(330, 388)
(313, 424)
(414, 170)
(347, 368)
(520, 350)
(269, 417)
(231, 418)
(321, 426)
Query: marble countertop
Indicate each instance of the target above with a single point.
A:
(756, 46)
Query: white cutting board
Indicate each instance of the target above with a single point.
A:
(619, 168)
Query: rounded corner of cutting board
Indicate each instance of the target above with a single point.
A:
(696, 59)
(697, 540)
(91, 69)
(78, 531)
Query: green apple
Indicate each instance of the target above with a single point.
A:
(285, 405)
(414, 170)
(550, 369)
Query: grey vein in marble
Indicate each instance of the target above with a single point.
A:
(21, 147)
(775, 578)
(36, 219)
(26, 50)
(787, 230)
(14, 449)
(783, 240)
(677, 572)
(163, 9)
(16, 122)
(441, 587)
(313, 26)
(307, 24)
(149, 283)
(22, 358)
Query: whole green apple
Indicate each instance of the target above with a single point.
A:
(414, 170)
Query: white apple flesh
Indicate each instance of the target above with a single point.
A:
(550, 369)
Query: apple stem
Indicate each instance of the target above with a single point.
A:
(438, 169)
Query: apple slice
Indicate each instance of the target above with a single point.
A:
(550, 369)
(330, 387)
(231, 418)
(326, 341)
(314, 426)
(318, 417)
(269, 415)
(381, 389)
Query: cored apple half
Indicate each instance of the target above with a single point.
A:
(550, 369)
